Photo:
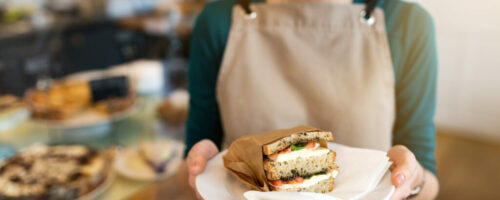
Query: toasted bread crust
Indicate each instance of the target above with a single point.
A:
(282, 143)
(324, 186)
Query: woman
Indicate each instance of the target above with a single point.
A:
(365, 70)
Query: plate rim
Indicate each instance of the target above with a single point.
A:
(222, 153)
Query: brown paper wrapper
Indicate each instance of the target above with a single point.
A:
(244, 158)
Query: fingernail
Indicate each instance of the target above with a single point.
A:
(400, 178)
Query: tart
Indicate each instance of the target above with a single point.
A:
(53, 172)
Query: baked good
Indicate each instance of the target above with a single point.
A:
(114, 105)
(9, 102)
(301, 162)
(65, 99)
(53, 172)
(156, 154)
(61, 101)
(174, 109)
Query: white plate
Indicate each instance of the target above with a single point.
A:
(129, 165)
(89, 118)
(217, 183)
(12, 118)
(99, 190)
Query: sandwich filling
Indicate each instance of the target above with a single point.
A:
(294, 151)
(303, 182)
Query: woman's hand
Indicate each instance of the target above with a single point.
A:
(197, 159)
(407, 173)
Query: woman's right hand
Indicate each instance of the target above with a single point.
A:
(197, 159)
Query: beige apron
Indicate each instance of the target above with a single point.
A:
(318, 64)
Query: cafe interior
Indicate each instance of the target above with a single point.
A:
(134, 55)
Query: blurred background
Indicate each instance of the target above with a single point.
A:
(468, 106)
(72, 42)
(109, 75)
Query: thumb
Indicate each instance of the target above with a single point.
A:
(402, 158)
(400, 174)
(199, 154)
(198, 164)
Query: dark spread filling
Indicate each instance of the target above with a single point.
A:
(296, 174)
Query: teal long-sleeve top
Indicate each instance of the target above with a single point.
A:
(411, 36)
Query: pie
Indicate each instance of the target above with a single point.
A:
(56, 172)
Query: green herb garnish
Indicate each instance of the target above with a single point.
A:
(298, 146)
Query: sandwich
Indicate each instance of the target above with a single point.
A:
(301, 162)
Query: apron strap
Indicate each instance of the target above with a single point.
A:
(370, 6)
(246, 6)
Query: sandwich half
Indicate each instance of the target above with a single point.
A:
(301, 163)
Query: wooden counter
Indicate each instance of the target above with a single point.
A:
(173, 188)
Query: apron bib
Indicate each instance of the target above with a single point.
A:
(318, 64)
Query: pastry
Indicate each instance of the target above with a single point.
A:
(174, 110)
(53, 172)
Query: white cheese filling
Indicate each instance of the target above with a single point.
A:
(305, 153)
(310, 181)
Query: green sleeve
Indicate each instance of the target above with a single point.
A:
(206, 51)
(416, 79)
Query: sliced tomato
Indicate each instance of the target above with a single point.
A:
(299, 179)
(277, 182)
(310, 145)
(273, 156)
(286, 150)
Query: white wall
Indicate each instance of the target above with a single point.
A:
(468, 36)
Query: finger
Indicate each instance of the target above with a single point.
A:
(403, 165)
(192, 181)
(392, 167)
(199, 154)
(400, 193)
(197, 164)
(205, 148)
(396, 195)
(400, 174)
(400, 154)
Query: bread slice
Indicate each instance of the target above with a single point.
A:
(302, 166)
(282, 143)
(323, 186)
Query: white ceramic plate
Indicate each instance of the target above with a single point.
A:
(12, 118)
(129, 165)
(217, 183)
(88, 118)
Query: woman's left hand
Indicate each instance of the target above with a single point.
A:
(407, 173)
